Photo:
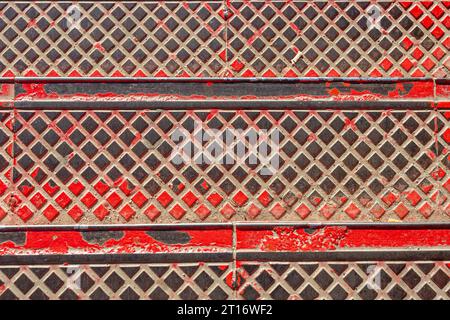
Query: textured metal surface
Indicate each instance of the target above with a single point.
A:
(225, 38)
(153, 38)
(186, 281)
(114, 167)
(343, 280)
(421, 280)
(91, 194)
(224, 241)
(226, 263)
(320, 38)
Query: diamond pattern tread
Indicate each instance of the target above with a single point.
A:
(119, 167)
(225, 39)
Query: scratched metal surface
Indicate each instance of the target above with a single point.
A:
(228, 38)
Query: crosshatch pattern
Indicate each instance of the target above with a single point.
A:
(186, 281)
(225, 39)
(115, 167)
(343, 280)
(69, 167)
(325, 280)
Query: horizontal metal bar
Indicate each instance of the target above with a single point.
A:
(114, 258)
(212, 79)
(366, 255)
(226, 225)
(221, 104)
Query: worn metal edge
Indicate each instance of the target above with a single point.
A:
(224, 105)
(227, 225)
(227, 257)
(42, 259)
(216, 79)
(348, 255)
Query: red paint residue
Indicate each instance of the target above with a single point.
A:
(291, 239)
(330, 238)
(63, 242)
(204, 185)
(36, 90)
(31, 23)
(212, 114)
(7, 89)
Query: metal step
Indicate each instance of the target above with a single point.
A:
(225, 150)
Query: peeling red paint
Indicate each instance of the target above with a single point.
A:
(72, 242)
(99, 47)
(291, 239)
(220, 240)
(332, 238)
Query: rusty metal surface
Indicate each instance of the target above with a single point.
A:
(225, 38)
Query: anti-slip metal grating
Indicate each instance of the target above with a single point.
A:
(226, 38)
(424, 280)
(337, 281)
(122, 167)
(185, 281)
(145, 115)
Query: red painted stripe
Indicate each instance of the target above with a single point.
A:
(288, 239)
(335, 238)
(74, 242)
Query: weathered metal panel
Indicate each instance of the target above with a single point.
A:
(225, 38)
(418, 280)
(97, 152)
(334, 184)
(186, 281)
(278, 263)
(397, 280)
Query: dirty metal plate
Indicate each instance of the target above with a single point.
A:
(6, 163)
(325, 278)
(354, 241)
(186, 281)
(151, 38)
(359, 280)
(120, 242)
(225, 39)
(123, 166)
(334, 39)
(113, 93)
(200, 263)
